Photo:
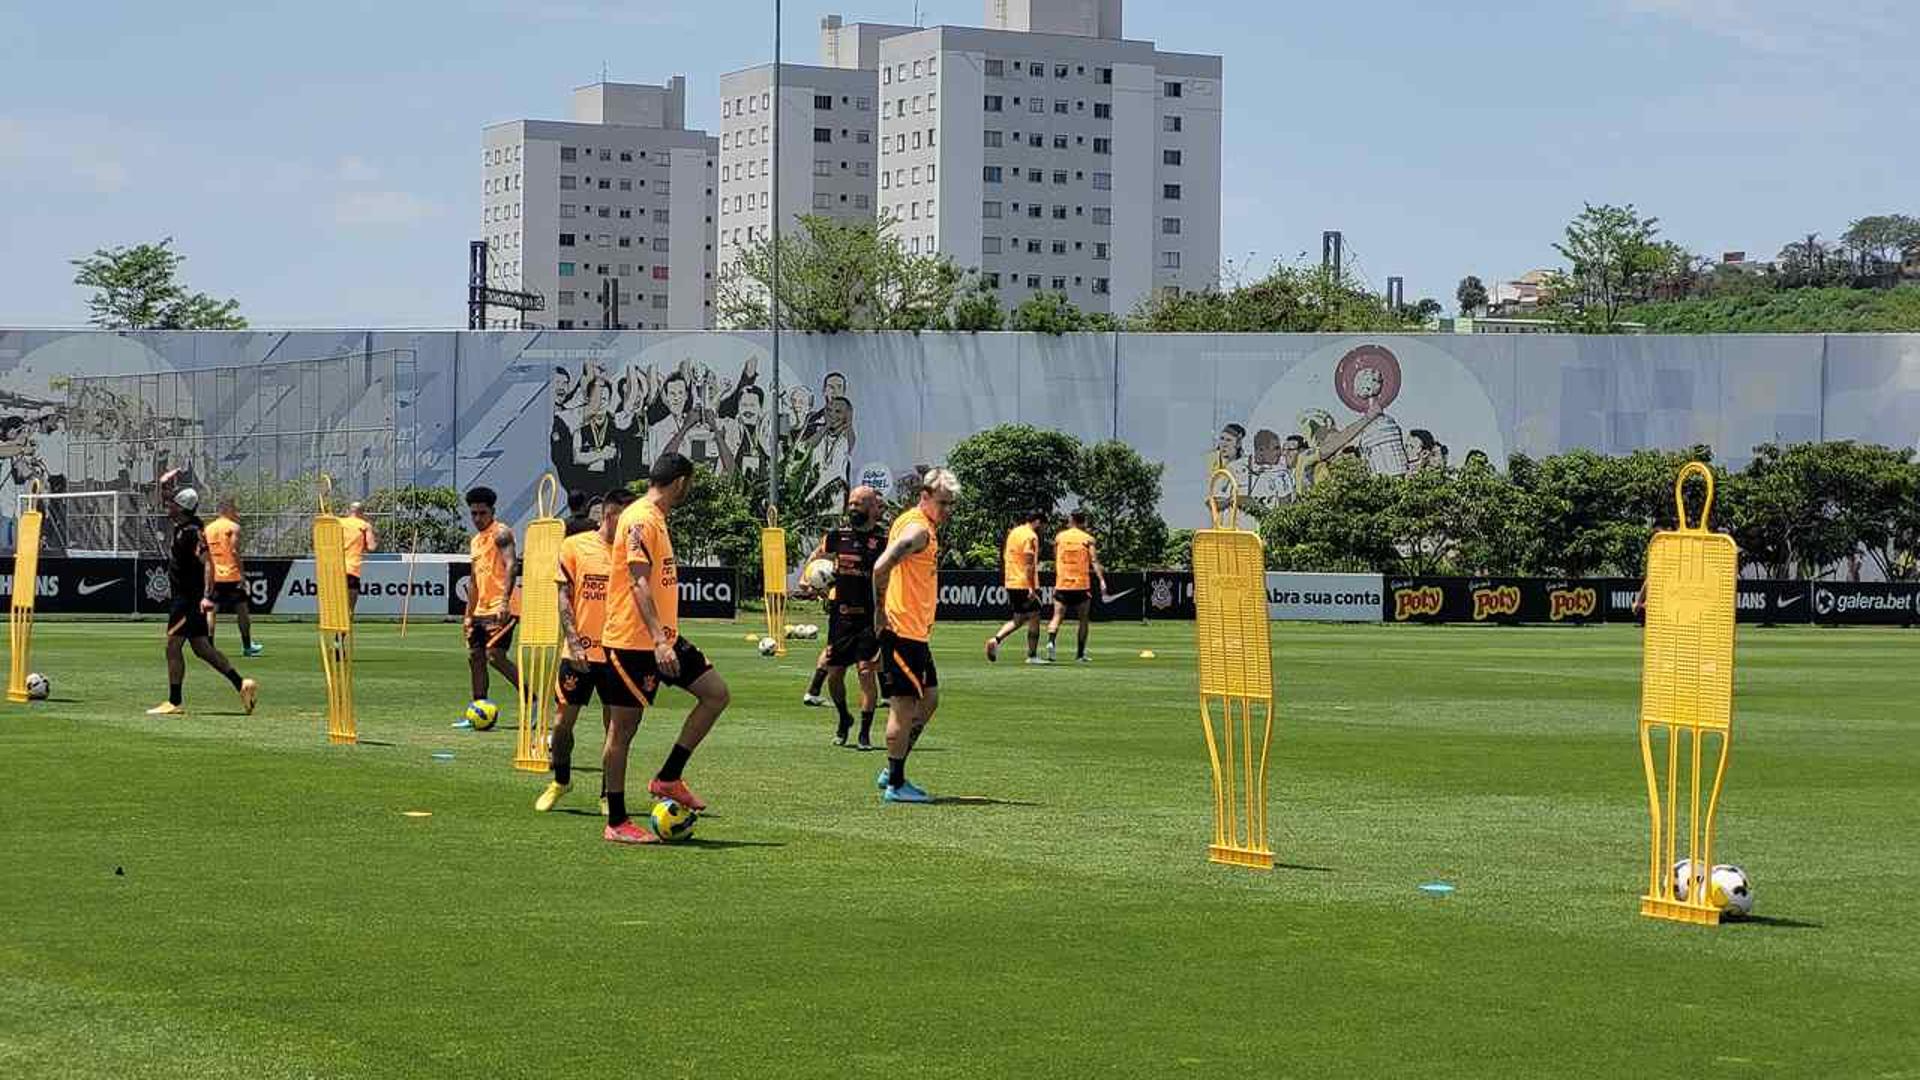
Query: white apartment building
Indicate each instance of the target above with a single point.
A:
(1053, 154)
(622, 192)
(829, 136)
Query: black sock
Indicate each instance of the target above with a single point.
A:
(233, 677)
(913, 737)
(819, 680)
(866, 725)
(616, 807)
(896, 771)
(563, 772)
(1053, 638)
(173, 693)
(846, 721)
(676, 761)
(246, 639)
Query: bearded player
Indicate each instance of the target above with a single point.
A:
(854, 548)
(584, 573)
(645, 649)
(191, 582)
(1020, 573)
(489, 624)
(906, 586)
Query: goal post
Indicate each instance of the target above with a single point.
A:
(85, 523)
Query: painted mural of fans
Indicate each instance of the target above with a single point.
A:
(833, 386)
(1229, 453)
(1428, 452)
(1270, 477)
(832, 448)
(743, 416)
(1367, 379)
(687, 423)
(596, 443)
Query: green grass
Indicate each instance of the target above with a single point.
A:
(279, 917)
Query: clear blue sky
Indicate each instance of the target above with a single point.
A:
(319, 161)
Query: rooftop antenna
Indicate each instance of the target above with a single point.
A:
(603, 71)
(917, 17)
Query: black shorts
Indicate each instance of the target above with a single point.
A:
(1022, 602)
(229, 596)
(851, 640)
(491, 632)
(1072, 599)
(631, 677)
(906, 667)
(187, 621)
(576, 682)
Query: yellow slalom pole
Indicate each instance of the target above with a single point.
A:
(406, 598)
(1236, 680)
(539, 629)
(773, 575)
(336, 620)
(26, 575)
(1686, 689)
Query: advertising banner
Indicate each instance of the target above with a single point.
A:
(1169, 594)
(385, 588)
(1759, 601)
(1839, 603)
(978, 595)
(80, 586)
(1495, 600)
(1323, 597)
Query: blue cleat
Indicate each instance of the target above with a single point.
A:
(254, 649)
(907, 793)
(881, 780)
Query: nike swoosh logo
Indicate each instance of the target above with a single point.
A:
(1108, 598)
(1789, 601)
(88, 588)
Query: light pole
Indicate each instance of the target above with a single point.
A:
(774, 467)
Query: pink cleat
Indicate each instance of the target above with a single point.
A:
(627, 832)
(679, 792)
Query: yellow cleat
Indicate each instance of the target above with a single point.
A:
(166, 708)
(551, 796)
(249, 695)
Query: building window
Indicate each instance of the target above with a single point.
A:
(1102, 111)
(1037, 105)
(1102, 146)
(1059, 213)
(1172, 89)
(886, 76)
(863, 168)
(823, 101)
(1170, 191)
(606, 185)
(566, 210)
(990, 210)
(626, 241)
(822, 201)
(1103, 215)
(626, 155)
(1059, 71)
(1169, 260)
(568, 183)
(626, 213)
(918, 69)
(1100, 251)
(995, 67)
(1170, 124)
(626, 185)
(1059, 247)
(1033, 281)
(566, 324)
(659, 243)
(660, 217)
(566, 239)
(886, 179)
(823, 135)
(1059, 284)
(1169, 157)
(989, 245)
(863, 137)
(916, 140)
(1102, 181)
(568, 153)
(990, 174)
(566, 269)
(1037, 69)
(1170, 226)
(1100, 285)
(1035, 210)
(916, 174)
(992, 138)
(992, 280)
(606, 155)
(1059, 142)
(861, 202)
(1106, 76)
(992, 103)
(1060, 106)
(1033, 176)
(1059, 176)
(1036, 140)
(822, 167)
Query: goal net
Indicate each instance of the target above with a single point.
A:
(86, 523)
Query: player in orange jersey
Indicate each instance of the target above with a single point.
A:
(585, 569)
(906, 588)
(357, 533)
(1076, 565)
(229, 593)
(1020, 572)
(489, 622)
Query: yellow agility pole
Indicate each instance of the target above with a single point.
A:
(773, 571)
(539, 629)
(406, 598)
(336, 619)
(26, 575)
(1686, 694)
(1236, 680)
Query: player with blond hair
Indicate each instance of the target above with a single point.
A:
(906, 590)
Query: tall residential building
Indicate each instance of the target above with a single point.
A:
(1054, 154)
(623, 192)
(829, 131)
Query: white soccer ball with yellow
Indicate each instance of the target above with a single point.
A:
(38, 687)
(1727, 887)
(818, 575)
(768, 646)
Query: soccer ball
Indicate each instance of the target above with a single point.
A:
(482, 714)
(1727, 887)
(671, 821)
(818, 575)
(38, 687)
(808, 631)
(768, 646)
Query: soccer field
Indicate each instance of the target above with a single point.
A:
(228, 896)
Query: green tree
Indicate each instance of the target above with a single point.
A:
(1878, 241)
(1787, 311)
(1614, 256)
(978, 308)
(837, 276)
(1291, 298)
(423, 519)
(139, 288)
(1471, 295)
(715, 526)
(1120, 491)
(1492, 531)
(1344, 521)
(1047, 313)
(1004, 473)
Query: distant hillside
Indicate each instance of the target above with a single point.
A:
(1787, 311)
